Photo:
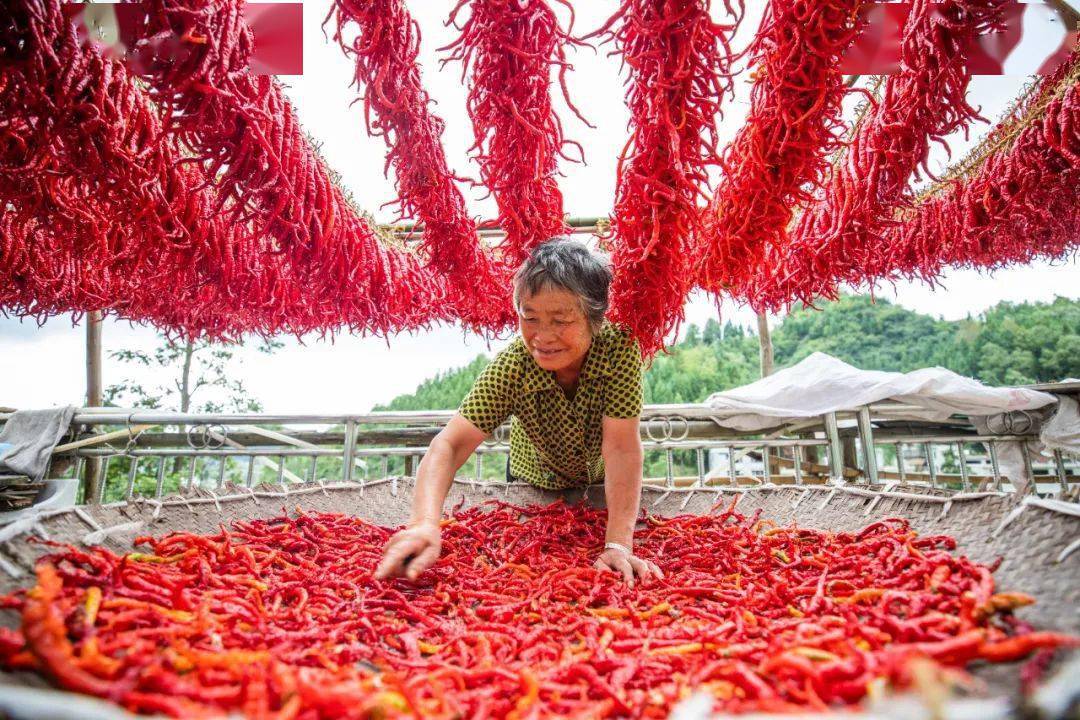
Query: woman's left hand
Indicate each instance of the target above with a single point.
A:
(629, 566)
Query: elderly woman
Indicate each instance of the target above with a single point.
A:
(572, 383)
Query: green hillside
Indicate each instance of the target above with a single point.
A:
(1008, 344)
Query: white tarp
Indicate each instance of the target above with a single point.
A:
(1062, 431)
(821, 384)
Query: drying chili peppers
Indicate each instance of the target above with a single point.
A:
(508, 50)
(243, 127)
(97, 212)
(280, 618)
(840, 238)
(1017, 202)
(679, 63)
(396, 107)
(106, 209)
(780, 155)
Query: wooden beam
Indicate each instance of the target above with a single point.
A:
(1069, 15)
(93, 358)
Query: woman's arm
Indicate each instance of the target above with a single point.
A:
(623, 460)
(414, 549)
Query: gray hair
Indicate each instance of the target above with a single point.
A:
(568, 265)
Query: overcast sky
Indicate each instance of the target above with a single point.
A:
(45, 366)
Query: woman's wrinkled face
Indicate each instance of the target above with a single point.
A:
(554, 329)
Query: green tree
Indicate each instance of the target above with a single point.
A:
(193, 368)
(1008, 344)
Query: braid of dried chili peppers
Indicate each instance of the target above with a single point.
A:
(508, 50)
(679, 62)
(780, 155)
(245, 129)
(1019, 204)
(396, 106)
(98, 214)
(840, 238)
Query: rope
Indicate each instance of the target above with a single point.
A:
(1008, 130)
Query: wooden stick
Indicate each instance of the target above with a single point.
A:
(104, 437)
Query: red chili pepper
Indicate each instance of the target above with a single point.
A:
(397, 107)
(1017, 205)
(842, 237)
(779, 158)
(103, 206)
(509, 50)
(679, 62)
(1016, 648)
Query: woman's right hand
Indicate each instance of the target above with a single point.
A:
(410, 552)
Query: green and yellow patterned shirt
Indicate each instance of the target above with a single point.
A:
(554, 441)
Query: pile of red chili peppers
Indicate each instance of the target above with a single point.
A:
(280, 618)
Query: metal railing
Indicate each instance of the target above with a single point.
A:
(150, 454)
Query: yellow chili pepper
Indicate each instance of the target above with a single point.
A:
(814, 653)
(530, 688)
(93, 604)
(606, 612)
(684, 649)
(654, 610)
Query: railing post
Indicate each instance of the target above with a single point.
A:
(349, 453)
(965, 479)
(931, 467)
(836, 449)
(159, 485)
(866, 439)
(1029, 470)
(995, 467)
(132, 470)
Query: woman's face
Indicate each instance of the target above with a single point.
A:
(554, 329)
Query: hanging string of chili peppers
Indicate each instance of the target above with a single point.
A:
(1020, 203)
(97, 212)
(780, 155)
(281, 618)
(245, 130)
(679, 62)
(840, 237)
(509, 50)
(396, 106)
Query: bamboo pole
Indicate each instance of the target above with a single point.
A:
(765, 343)
(411, 231)
(92, 468)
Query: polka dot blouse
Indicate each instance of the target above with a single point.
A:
(555, 441)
